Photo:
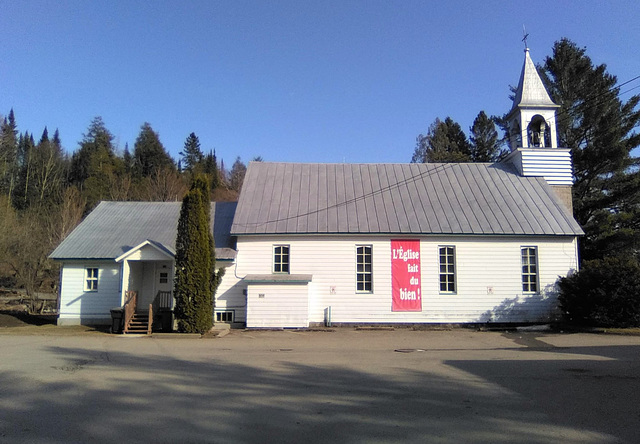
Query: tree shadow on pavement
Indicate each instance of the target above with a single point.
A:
(120, 396)
(586, 388)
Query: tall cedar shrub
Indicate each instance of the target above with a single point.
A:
(194, 263)
(605, 293)
(201, 182)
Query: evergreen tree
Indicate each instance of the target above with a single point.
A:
(149, 155)
(236, 176)
(598, 127)
(192, 155)
(485, 143)
(45, 136)
(210, 168)
(127, 158)
(56, 139)
(22, 195)
(95, 169)
(8, 155)
(195, 261)
(444, 142)
(222, 173)
(97, 141)
(49, 171)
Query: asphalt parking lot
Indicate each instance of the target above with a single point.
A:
(343, 386)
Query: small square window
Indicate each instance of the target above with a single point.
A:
(164, 278)
(281, 259)
(91, 279)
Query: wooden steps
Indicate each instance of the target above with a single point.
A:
(139, 324)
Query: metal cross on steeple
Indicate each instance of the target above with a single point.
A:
(524, 39)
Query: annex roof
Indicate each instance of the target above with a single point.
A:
(531, 91)
(114, 228)
(419, 199)
(169, 252)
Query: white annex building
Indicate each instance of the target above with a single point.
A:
(309, 244)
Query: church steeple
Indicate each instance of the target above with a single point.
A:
(532, 134)
(532, 119)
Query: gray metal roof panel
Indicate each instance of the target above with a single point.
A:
(398, 199)
(113, 228)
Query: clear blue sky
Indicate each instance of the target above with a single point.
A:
(304, 81)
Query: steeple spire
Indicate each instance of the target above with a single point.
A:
(532, 133)
(532, 119)
(531, 90)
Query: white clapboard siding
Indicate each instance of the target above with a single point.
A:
(230, 294)
(553, 164)
(488, 273)
(148, 253)
(277, 305)
(86, 307)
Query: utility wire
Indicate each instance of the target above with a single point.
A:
(414, 178)
(441, 167)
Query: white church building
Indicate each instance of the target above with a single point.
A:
(309, 244)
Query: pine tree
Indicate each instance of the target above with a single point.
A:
(444, 142)
(127, 158)
(236, 176)
(8, 155)
(22, 196)
(149, 155)
(192, 155)
(98, 140)
(56, 139)
(95, 168)
(195, 261)
(210, 168)
(485, 143)
(598, 127)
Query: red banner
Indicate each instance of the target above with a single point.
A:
(405, 275)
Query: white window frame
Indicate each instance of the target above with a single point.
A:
(364, 269)
(527, 273)
(278, 259)
(91, 278)
(450, 272)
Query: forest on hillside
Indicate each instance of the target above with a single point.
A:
(45, 191)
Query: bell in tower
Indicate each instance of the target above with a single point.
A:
(532, 134)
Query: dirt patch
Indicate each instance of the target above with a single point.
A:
(10, 320)
(13, 318)
(22, 323)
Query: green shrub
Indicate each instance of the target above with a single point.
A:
(605, 293)
(195, 260)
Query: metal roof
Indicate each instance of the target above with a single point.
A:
(531, 91)
(452, 198)
(113, 228)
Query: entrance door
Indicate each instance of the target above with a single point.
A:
(164, 284)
